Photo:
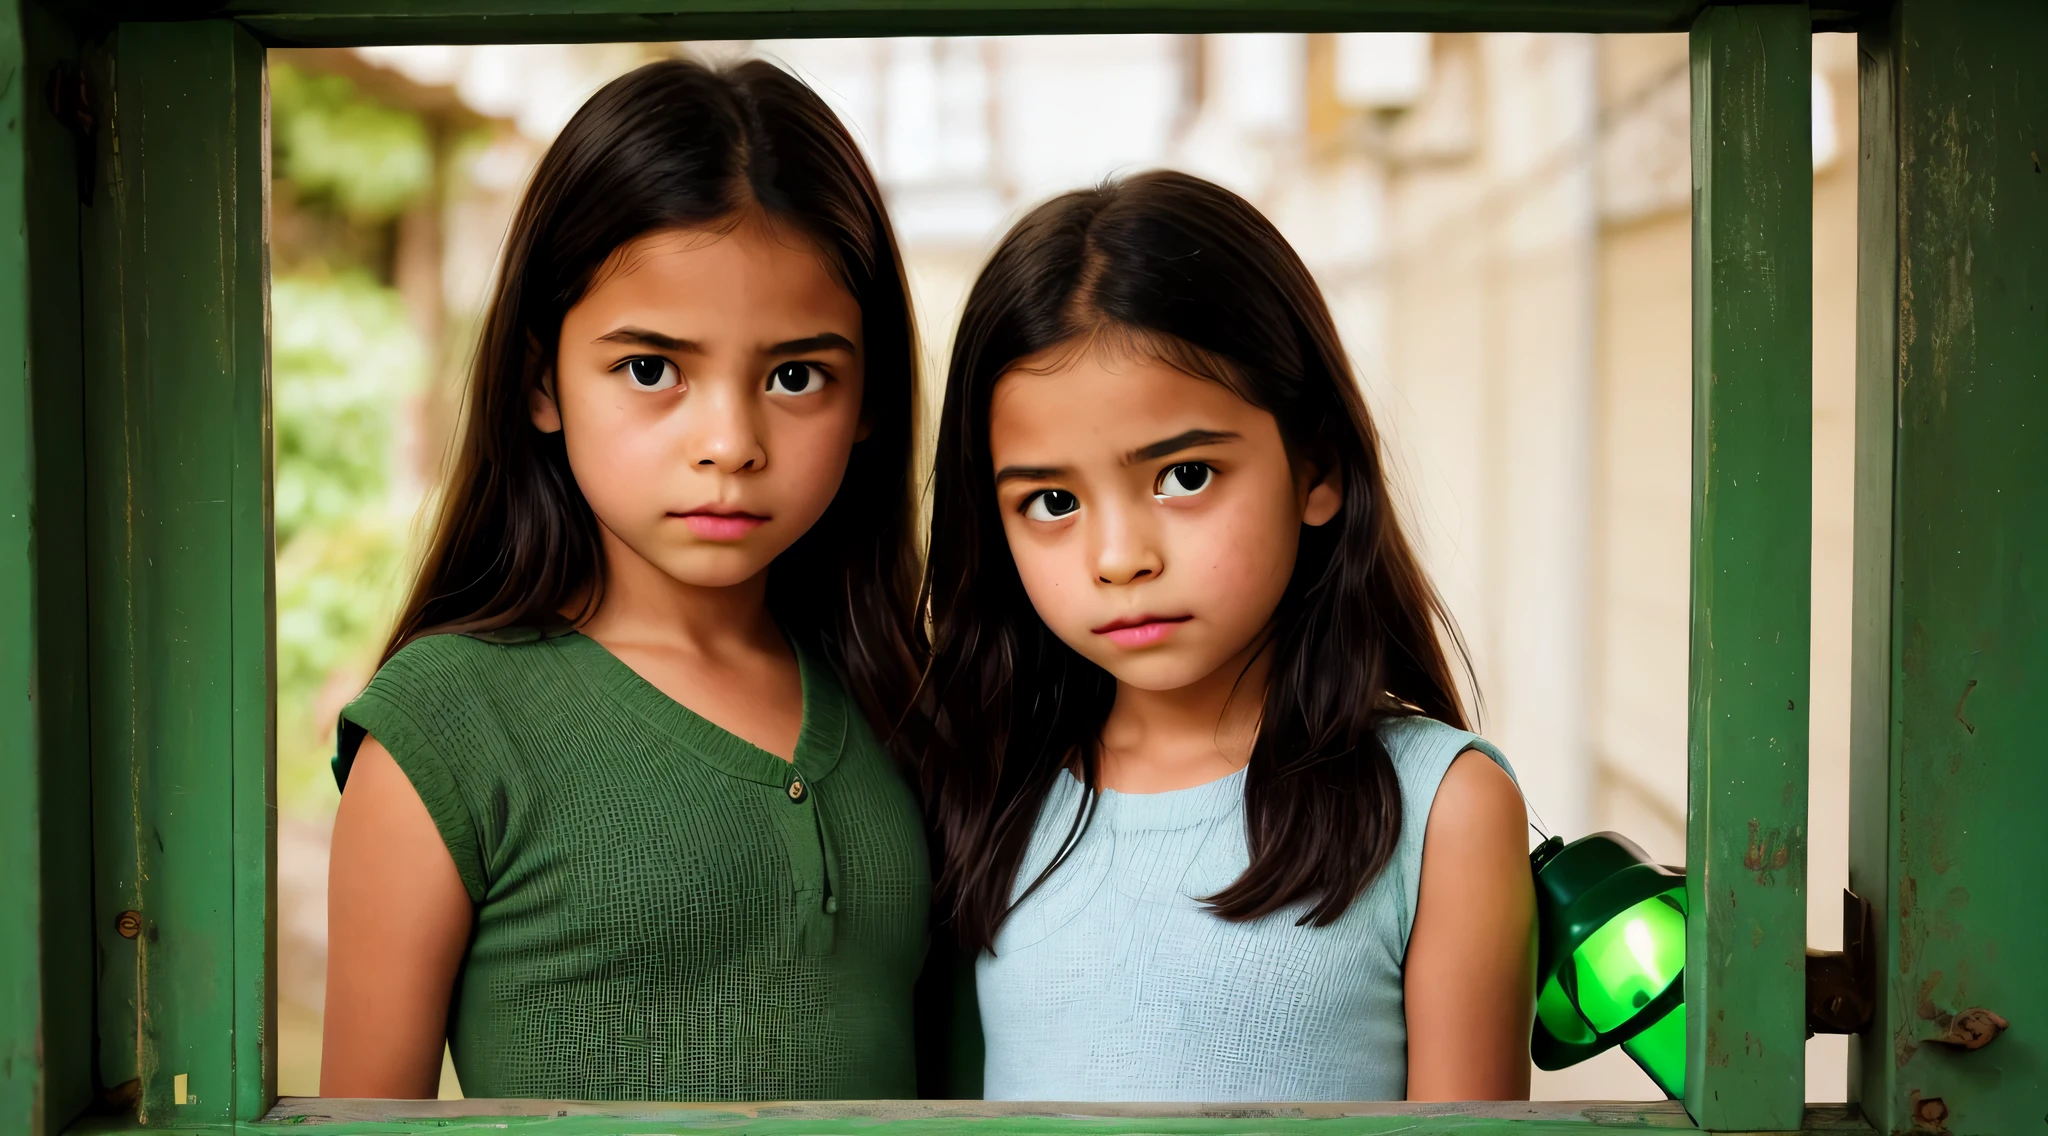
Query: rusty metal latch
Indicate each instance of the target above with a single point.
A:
(1841, 986)
(1974, 1028)
(1841, 993)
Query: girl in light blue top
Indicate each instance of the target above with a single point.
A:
(1209, 812)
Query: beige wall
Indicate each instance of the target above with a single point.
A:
(1486, 399)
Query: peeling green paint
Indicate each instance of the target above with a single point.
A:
(1751, 565)
(177, 438)
(1951, 653)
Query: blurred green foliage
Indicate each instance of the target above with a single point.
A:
(346, 367)
(362, 158)
(344, 356)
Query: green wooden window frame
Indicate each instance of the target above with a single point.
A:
(137, 799)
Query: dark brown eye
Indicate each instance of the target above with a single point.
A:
(795, 378)
(1051, 505)
(651, 373)
(1185, 479)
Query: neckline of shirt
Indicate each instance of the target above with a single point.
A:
(1211, 800)
(1170, 809)
(820, 740)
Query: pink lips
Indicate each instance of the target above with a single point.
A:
(1142, 631)
(709, 524)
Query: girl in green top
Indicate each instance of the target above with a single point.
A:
(615, 822)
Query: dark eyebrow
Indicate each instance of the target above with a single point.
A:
(823, 341)
(1029, 473)
(1179, 442)
(641, 337)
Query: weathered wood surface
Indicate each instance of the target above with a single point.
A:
(178, 521)
(1752, 515)
(1948, 840)
(46, 960)
(1000, 1118)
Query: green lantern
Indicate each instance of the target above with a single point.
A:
(1610, 964)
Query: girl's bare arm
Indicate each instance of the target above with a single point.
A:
(398, 921)
(1471, 971)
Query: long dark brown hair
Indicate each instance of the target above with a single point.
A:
(1193, 273)
(678, 144)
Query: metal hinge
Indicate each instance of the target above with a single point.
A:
(1841, 990)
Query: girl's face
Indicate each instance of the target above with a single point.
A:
(1153, 516)
(709, 392)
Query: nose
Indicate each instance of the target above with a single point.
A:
(1126, 545)
(720, 432)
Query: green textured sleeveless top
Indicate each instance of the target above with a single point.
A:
(663, 911)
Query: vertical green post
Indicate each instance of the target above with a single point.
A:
(1947, 838)
(1745, 977)
(46, 1073)
(177, 432)
(21, 996)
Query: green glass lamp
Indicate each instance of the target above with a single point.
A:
(1610, 961)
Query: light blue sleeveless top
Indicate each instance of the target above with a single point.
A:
(1112, 982)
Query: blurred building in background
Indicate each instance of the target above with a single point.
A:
(1500, 223)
